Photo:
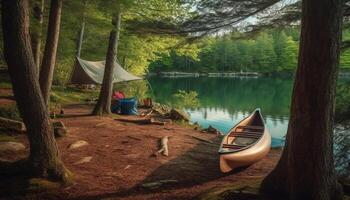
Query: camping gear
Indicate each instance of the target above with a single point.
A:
(245, 144)
(118, 95)
(115, 106)
(128, 106)
(147, 102)
(89, 72)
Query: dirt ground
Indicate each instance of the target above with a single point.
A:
(122, 160)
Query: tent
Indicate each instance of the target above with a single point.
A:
(89, 72)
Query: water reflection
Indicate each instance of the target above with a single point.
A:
(225, 101)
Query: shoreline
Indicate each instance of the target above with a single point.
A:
(176, 74)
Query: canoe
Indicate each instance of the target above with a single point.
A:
(245, 144)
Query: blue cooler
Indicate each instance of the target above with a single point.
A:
(128, 106)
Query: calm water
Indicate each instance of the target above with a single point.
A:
(223, 102)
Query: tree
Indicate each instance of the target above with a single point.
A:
(36, 32)
(103, 105)
(264, 53)
(279, 43)
(44, 159)
(306, 168)
(49, 59)
(290, 54)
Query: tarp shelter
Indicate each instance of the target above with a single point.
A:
(89, 72)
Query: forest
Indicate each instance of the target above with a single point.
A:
(80, 118)
(269, 51)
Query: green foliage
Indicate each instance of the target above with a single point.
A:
(269, 51)
(62, 95)
(183, 99)
(345, 59)
(342, 108)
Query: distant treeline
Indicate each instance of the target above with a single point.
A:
(269, 51)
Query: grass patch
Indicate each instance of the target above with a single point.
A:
(63, 95)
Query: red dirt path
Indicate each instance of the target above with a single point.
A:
(122, 160)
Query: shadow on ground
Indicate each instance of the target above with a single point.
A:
(195, 167)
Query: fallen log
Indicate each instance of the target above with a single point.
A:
(160, 121)
(163, 146)
(12, 124)
(136, 121)
(202, 139)
(157, 121)
(147, 114)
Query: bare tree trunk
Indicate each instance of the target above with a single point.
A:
(81, 32)
(44, 157)
(306, 169)
(103, 105)
(49, 59)
(81, 37)
(36, 33)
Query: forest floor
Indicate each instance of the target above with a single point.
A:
(121, 162)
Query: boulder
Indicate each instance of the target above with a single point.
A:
(59, 129)
(161, 109)
(78, 144)
(177, 114)
(212, 130)
(11, 146)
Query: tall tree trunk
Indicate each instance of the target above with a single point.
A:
(36, 32)
(81, 33)
(306, 169)
(49, 59)
(44, 157)
(81, 37)
(103, 105)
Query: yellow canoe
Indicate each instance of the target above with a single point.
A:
(245, 144)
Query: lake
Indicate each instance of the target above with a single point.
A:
(223, 102)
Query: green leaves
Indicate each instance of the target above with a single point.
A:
(270, 51)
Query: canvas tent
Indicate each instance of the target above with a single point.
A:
(89, 72)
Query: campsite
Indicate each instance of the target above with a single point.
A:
(163, 99)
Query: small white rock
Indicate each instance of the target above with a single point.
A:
(78, 144)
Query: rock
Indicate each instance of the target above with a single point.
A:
(84, 160)
(59, 129)
(177, 114)
(11, 146)
(196, 126)
(212, 130)
(163, 110)
(78, 144)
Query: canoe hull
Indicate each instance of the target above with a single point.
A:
(231, 161)
(231, 158)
